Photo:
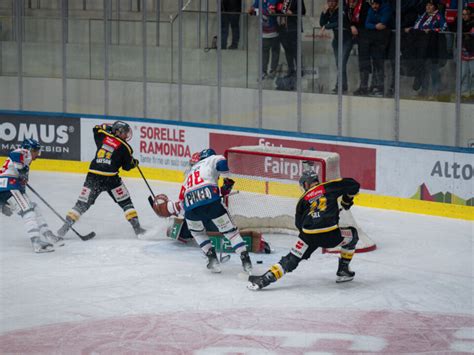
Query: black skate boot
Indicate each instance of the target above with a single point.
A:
(344, 274)
(246, 263)
(213, 262)
(66, 226)
(40, 246)
(258, 282)
(54, 239)
(139, 231)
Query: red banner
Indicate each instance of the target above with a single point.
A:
(356, 162)
(276, 167)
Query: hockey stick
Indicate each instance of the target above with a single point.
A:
(150, 198)
(83, 237)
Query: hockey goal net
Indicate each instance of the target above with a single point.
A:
(267, 180)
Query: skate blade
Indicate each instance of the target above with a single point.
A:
(215, 269)
(341, 279)
(253, 287)
(41, 251)
(224, 259)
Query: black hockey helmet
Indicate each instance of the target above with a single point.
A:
(308, 178)
(206, 153)
(31, 144)
(122, 130)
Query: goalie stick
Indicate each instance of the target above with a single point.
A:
(83, 237)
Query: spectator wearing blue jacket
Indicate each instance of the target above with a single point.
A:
(270, 40)
(373, 47)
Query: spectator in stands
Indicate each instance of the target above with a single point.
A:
(467, 53)
(230, 16)
(373, 47)
(288, 29)
(329, 19)
(357, 12)
(270, 41)
(430, 48)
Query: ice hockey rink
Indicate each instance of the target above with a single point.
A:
(116, 294)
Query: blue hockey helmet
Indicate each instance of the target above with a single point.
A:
(31, 144)
(206, 153)
(308, 178)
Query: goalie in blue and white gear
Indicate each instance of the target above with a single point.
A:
(200, 196)
(13, 198)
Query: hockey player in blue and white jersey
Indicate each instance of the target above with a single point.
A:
(201, 199)
(13, 179)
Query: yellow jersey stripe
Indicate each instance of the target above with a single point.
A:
(103, 173)
(320, 230)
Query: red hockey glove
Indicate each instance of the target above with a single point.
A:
(227, 187)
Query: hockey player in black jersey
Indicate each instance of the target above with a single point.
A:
(317, 218)
(113, 152)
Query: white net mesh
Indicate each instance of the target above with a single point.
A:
(267, 180)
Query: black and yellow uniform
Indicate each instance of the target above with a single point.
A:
(113, 153)
(317, 219)
(317, 211)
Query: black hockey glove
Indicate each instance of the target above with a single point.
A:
(347, 202)
(23, 177)
(135, 162)
(227, 186)
(6, 210)
(106, 127)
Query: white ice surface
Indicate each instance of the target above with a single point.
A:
(423, 264)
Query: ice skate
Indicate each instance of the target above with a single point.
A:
(54, 239)
(139, 231)
(213, 263)
(258, 282)
(344, 274)
(246, 263)
(65, 228)
(40, 246)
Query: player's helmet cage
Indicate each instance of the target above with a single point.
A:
(308, 178)
(122, 130)
(31, 144)
(206, 153)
